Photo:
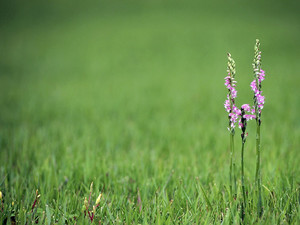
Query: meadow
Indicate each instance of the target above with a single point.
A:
(130, 96)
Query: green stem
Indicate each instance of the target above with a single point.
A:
(242, 174)
(232, 175)
(258, 174)
(234, 179)
(231, 158)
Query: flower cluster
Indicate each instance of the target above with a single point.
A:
(236, 114)
(256, 86)
(251, 114)
(229, 104)
(230, 84)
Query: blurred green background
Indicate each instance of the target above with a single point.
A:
(106, 90)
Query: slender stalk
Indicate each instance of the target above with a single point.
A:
(233, 165)
(258, 174)
(257, 101)
(231, 138)
(230, 83)
(234, 180)
(232, 174)
(243, 176)
(257, 152)
(243, 126)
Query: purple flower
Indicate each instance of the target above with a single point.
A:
(246, 109)
(261, 76)
(229, 104)
(259, 98)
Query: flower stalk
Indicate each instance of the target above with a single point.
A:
(243, 115)
(233, 111)
(259, 100)
(243, 126)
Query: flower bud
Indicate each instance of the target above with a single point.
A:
(85, 202)
(98, 199)
(91, 187)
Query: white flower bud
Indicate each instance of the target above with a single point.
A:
(98, 199)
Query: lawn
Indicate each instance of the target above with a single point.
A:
(129, 95)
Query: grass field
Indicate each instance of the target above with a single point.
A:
(129, 95)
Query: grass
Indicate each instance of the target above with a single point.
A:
(130, 96)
